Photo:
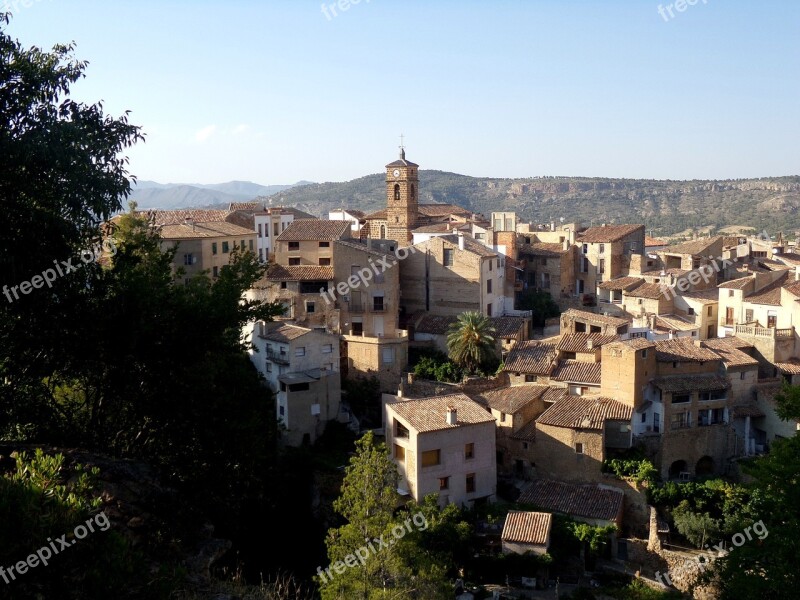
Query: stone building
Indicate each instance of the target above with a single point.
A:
(605, 252)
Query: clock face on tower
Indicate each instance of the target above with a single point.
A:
(396, 172)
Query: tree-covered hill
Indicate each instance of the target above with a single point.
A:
(667, 207)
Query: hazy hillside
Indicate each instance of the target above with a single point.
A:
(151, 194)
(665, 206)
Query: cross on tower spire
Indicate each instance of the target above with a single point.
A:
(402, 147)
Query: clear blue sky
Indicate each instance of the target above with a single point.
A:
(275, 92)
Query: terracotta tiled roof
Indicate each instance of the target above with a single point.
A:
(575, 371)
(637, 343)
(442, 210)
(314, 229)
(285, 333)
(436, 228)
(576, 412)
(622, 283)
(790, 258)
(609, 233)
(470, 245)
(748, 410)
(727, 342)
(526, 433)
(731, 352)
(585, 315)
(177, 217)
(704, 296)
(737, 284)
(689, 383)
(511, 399)
(217, 229)
(793, 287)
(507, 326)
(588, 501)
(357, 245)
(527, 527)
(648, 242)
(789, 367)
(675, 323)
(246, 206)
(542, 249)
(299, 273)
(652, 291)
(579, 342)
(430, 414)
(682, 350)
(701, 247)
(531, 357)
(770, 294)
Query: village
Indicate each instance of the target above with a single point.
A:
(671, 353)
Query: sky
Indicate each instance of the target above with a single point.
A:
(280, 91)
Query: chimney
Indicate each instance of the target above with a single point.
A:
(590, 344)
(460, 241)
(452, 415)
(552, 225)
(189, 222)
(698, 343)
(565, 244)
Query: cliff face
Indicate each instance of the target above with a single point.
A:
(666, 207)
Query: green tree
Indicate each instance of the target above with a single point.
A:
(470, 341)
(541, 304)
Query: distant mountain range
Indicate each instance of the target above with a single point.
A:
(151, 194)
(666, 207)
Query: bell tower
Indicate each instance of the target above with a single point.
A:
(402, 206)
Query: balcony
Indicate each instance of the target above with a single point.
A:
(764, 332)
(280, 358)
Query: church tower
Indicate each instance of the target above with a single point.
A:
(402, 206)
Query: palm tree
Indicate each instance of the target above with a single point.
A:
(470, 340)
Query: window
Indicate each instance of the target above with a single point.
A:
(431, 458)
(710, 310)
(490, 265)
(250, 245)
(400, 430)
(489, 310)
(283, 285)
(644, 353)
(269, 367)
(444, 483)
(681, 398)
(189, 259)
(488, 286)
(585, 249)
(261, 254)
(690, 311)
(730, 293)
(241, 244)
(399, 453)
(578, 448)
(387, 355)
(299, 387)
(530, 378)
(742, 375)
(469, 451)
(502, 417)
(544, 261)
(294, 246)
(602, 248)
(772, 320)
(748, 315)
(601, 265)
(260, 230)
(584, 265)
(471, 483)
(215, 271)
(713, 395)
(448, 257)
(294, 262)
(397, 191)
(275, 229)
(310, 307)
(644, 417)
(327, 348)
(680, 421)
(324, 244)
(324, 262)
(282, 410)
(301, 351)
(213, 247)
(225, 248)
